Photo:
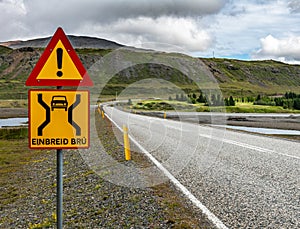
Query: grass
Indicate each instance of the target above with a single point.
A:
(13, 103)
(13, 133)
(250, 108)
(4, 50)
(13, 155)
(160, 105)
(14, 152)
(89, 51)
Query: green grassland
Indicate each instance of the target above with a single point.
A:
(250, 78)
(165, 105)
(250, 108)
(14, 153)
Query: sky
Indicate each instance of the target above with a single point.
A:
(241, 29)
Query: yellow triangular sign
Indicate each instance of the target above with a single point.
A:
(59, 65)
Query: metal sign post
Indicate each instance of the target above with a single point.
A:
(59, 184)
(59, 192)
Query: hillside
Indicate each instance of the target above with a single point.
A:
(235, 77)
(242, 78)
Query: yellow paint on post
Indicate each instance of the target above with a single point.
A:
(102, 114)
(165, 115)
(126, 143)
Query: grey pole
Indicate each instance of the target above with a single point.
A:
(59, 205)
(59, 185)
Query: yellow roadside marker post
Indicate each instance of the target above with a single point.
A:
(126, 143)
(165, 115)
(102, 114)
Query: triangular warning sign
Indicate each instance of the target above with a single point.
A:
(59, 65)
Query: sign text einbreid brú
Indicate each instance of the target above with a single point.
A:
(58, 119)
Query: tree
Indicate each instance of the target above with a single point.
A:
(258, 98)
(231, 101)
(201, 98)
(296, 104)
(278, 101)
(226, 101)
(250, 99)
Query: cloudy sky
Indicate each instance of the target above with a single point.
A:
(242, 29)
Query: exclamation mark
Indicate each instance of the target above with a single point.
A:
(59, 55)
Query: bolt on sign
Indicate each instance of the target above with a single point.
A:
(58, 119)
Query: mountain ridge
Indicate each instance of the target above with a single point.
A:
(76, 41)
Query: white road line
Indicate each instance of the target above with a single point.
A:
(214, 219)
(244, 145)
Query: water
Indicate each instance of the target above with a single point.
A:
(261, 130)
(23, 122)
(13, 122)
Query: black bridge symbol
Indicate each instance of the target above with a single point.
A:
(48, 117)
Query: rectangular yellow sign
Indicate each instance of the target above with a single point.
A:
(58, 119)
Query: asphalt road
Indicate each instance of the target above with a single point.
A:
(245, 180)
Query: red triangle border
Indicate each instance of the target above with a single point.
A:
(59, 35)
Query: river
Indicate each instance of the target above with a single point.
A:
(23, 122)
(13, 122)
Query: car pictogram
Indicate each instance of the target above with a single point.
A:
(59, 101)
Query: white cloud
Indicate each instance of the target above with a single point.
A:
(226, 27)
(11, 23)
(285, 49)
(240, 25)
(160, 32)
(174, 22)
